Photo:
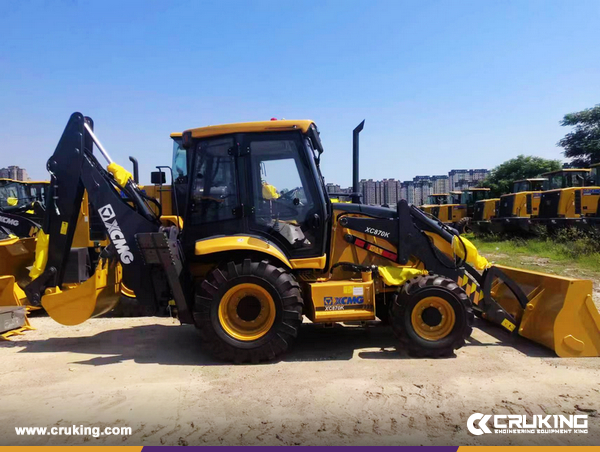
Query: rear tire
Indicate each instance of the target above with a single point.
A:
(432, 316)
(464, 226)
(248, 311)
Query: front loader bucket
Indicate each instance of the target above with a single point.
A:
(560, 312)
(15, 256)
(9, 296)
(77, 303)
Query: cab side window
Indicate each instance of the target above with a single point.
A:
(283, 195)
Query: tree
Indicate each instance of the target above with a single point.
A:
(501, 178)
(582, 144)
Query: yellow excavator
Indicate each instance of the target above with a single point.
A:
(244, 264)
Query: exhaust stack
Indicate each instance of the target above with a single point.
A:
(355, 163)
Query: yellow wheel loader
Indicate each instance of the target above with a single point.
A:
(21, 207)
(484, 213)
(518, 209)
(457, 208)
(244, 264)
(571, 199)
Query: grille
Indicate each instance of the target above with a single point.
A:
(549, 204)
(506, 206)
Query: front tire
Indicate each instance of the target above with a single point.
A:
(464, 225)
(248, 311)
(432, 316)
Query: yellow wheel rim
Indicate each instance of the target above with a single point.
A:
(433, 318)
(247, 312)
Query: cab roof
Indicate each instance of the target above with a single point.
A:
(533, 179)
(24, 181)
(246, 127)
(567, 170)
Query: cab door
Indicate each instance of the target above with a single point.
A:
(287, 204)
(214, 199)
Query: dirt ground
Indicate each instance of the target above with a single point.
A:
(339, 386)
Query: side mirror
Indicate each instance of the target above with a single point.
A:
(158, 177)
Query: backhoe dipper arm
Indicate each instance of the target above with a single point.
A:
(73, 169)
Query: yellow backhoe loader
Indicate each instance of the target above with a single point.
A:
(244, 264)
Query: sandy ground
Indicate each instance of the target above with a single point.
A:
(345, 385)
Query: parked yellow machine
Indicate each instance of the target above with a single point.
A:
(245, 264)
(484, 213)
(571, 199)
(459, 207)
(518, 209)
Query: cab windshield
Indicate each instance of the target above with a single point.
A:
(437, 199)
(521, 186)
(472, 196)
(596, 175)
(566, 180)
(528, 185)
(12, 190)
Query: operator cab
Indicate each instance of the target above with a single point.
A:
(535, 184)
(257, 179)
(472, 195)
(438, 199)
(12, 193)
(454, 197)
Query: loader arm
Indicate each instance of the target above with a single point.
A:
(554, 311)
(414, 233)
(125, 215)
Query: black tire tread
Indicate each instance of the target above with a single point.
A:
(462, 224)
(398, 312)
(283, 283)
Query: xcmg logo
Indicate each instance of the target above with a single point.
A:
(117, 237)
(338, 303)
(9, 221)
(521, 423)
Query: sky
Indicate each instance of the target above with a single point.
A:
(441, 84)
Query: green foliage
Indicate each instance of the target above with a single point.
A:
(501, 178)
(566, 247)
(582, 144)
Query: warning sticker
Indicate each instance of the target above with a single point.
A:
(357, 291)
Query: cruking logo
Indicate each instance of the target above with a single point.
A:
(116, 235)
(477, 423)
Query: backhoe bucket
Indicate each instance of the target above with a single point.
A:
(75, 304)
(560, 312)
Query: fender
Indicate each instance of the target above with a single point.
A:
(239, 243)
